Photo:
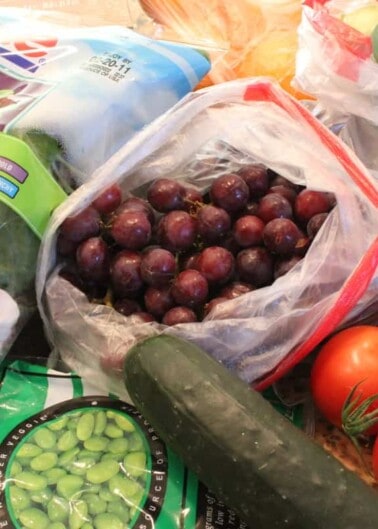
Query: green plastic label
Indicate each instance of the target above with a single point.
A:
(25, 184)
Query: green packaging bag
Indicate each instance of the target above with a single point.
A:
(72, 458)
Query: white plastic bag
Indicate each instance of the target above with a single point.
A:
(334, 63)
(334, 284)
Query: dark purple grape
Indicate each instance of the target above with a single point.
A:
(255, 266)
(131, 229)
(190, 288)
(235, 289)
(138, 204)
(158, 301)
(79, 227)
(279, 180)
(109, 200)
(92, 259)
(193, 199)
(248, 230)
(158, 267)
(125, 274)
(177, 231)
(178, 315)
(257, 179)
(287, 192)
(229, 192)
(273, 206)
(309, 203)
(166, 195)
(70, 273)
(126, 306)
(213, 303)
(65, 247)
(213, 223)
(216, 264)
(315, 223)
(283, 266)
(281, 236)
(230, 244)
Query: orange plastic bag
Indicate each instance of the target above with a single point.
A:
(258, 37)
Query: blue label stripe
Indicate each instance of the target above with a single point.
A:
(18, 60)
(8, 188)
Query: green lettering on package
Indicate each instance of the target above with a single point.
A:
(25, 184)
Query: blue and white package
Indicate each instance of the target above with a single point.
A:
(76, 95)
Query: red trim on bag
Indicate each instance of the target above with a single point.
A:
(352, 290)
(266, 91)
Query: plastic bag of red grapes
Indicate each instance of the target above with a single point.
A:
(236, 221)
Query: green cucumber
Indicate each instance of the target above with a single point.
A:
(240, 447)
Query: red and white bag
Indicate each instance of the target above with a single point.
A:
(261, 334)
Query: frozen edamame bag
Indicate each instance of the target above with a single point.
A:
(73, 458)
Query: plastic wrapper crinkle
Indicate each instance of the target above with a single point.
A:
(335, 63)
(69, 98)
(263, 330)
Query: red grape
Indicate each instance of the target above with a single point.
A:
(273, 206)
(257, 179)
(131, 229)
(177, 231)
(193, 199)
(229, 192)
(287, 192)
(308, 203)
(158, 301)
(158, 267)
(213, 303)
(138, 204)
(125, 274)
(65, 247)
(255, 266)
(190, 288)
(213, 223)
(143, 317)
(178, 315)
(216, 264)
(235, 289)
(92, 259)
(108, 200)
(315, 223)
(248, 230)
(279, 180)
(281, 236)
(189, 261)
(126, 306)
(166, 195)
(81, 226)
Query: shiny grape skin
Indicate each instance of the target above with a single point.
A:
(272, 206)
(257, 179)
(216, 264)
(138, 204)
(131, 229)
(92, 259)
(248, 230)
(309, 203)
(235, 289)
(229, 192)
(178, 315)
(166, 195)
(210, 305)
(125, 274)
(193, 200)
(158, 267)
(287, 192)
(190, 288)
(158, 301)
(109, 200)
(81, 226)
(177, 231)
(281, 236)
(213, 223)
(255, 265)
(126, 306)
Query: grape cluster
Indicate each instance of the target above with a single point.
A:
(174, 255)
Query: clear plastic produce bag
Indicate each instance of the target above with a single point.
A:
(212, 132)
(335, 64)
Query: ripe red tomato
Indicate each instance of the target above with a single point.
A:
(348, 358)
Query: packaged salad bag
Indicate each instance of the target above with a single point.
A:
(70, 96)
(278, 311)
